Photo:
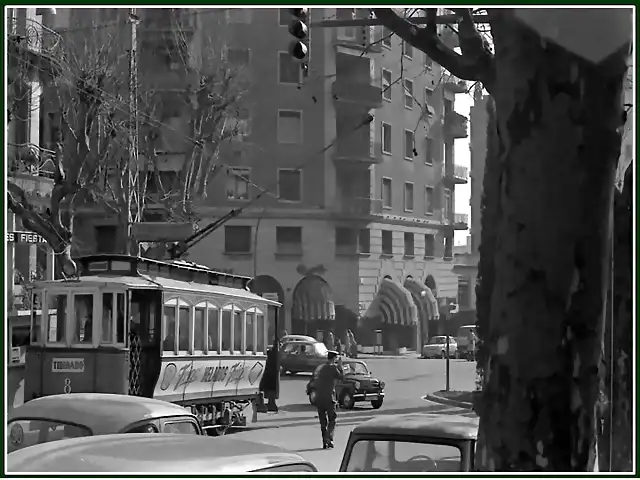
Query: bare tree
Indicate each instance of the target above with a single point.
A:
(547, 210)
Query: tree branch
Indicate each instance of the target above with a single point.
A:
(468, 66)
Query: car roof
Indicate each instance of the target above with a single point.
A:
(151, 453)
(291, 338)
(420, 425)
(101, 412)
(469, 326)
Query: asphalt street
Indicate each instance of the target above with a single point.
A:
(407, 380)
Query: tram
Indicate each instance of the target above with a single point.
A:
(169, 330)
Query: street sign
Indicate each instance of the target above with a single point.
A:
(591, 33)
(24, 237)
(161, 231)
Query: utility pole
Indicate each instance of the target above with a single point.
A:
(133, 198)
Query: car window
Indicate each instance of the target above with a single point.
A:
(144, 428)
(321, 349)
(290, 348)
(438, 340)
(293, 467)
(26, 433)
(182, 428)
(355, 368)
(384, 456)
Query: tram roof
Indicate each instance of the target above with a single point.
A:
(157, 283)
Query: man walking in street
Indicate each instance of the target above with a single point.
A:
(326, 376)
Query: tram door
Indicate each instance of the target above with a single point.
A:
(145, 310)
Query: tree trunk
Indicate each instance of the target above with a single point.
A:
(558, 117)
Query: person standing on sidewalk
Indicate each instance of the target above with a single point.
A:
(325, 378)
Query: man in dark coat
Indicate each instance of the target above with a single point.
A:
(270, 380)
(325, 378)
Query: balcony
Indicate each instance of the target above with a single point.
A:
(31, 168)
(357, 92)
(356, 208)
(358, 152)
(454, 84)
(456, 125)
(34, 46)
(361, 39)
(457, 174)
(460, 221)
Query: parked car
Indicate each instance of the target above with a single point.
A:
(437, 347)
(467, 342)
(57, 417)
(358, 385)
(302, 356)
(297, 338)
(412, 443)
(157, 454)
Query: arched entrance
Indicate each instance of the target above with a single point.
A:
(427, 306)
(313, 308)
(268, 287)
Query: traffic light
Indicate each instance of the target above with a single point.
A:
(299, 48)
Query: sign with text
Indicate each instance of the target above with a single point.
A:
(67, 365)
(228, 376)
(24, 237)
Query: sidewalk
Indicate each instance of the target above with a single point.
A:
(444, 398)
(389, 355)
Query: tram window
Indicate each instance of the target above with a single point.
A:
(107, 317)
(120, 326)
(83, 305)
(212, 330)
(251, 317)
(198, 329)
(183, 329)
(226, 330)
(36, 318)
(57, 305)
(237, 331)
(169, 339)
(260, 346)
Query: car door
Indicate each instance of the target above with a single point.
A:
(289, 354)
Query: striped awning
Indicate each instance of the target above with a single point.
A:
(313, 300)
(423, 297)
(394, 304)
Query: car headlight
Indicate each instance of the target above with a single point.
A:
(356, 384)
(382, 385)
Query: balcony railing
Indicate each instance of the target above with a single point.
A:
(460, 221)
(456, 174)
(357, 207)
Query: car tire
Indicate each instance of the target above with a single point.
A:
(312, 397)
(346, 400)
(376, 404)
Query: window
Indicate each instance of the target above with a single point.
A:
(169, 320)
(409, 144)
(290, 185)
(401, 456)
(429, 245)
(409, 246)
(386, 193)
(289, 70)
(238, 179)
(428, 200)
(284, 17)
(237, 239)
(120, 320)
(364, 241)
(199, 314)
(345, 241)
(107, 318)
(289, 240)
(386, 37)
(386, 138)
(387, 242)
(289, 126)
(183, 329)
(226, 329)
(212, 330)
(239, 15)
(83, 307)
(237, 331)
(408, 197)
(260, 337)
(238, 57)
(446, 212)
(56, 328)
(26, 433)
(428, 103)
(408, 94)
(180, 428)
(386, 84)
(407, 50)
(429, 151)
(248, 333)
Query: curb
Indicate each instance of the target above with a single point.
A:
(432, 397)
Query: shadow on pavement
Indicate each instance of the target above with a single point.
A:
(297, 407)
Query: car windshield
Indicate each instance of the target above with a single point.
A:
(439, 340)
(355, 368)
(321, 349)
(385, 456)
(26, 433)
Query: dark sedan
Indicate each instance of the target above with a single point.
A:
(302, 356)
(358, 385)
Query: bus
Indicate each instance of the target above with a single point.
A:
(170, 330)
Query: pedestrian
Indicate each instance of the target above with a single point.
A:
(329, 341)
(354, 345)
(347, 343)
(269, 381)
(338, 345)
(325, 378)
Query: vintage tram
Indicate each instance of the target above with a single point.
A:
(170, 330)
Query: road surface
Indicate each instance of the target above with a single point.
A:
(407, 381)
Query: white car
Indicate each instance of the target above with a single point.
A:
(437, 347)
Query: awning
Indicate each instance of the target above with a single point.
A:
(313, 300)
(423, 298)
(394, 303)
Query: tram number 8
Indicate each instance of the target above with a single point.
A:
(67, 385)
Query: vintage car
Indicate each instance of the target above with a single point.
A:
(302, 356)
(358, 385)
(156, 454)
(437, 347)
(412, 443)
(297, 338)
(57, 417)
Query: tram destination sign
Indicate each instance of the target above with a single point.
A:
(24, 237)
(67, 365)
